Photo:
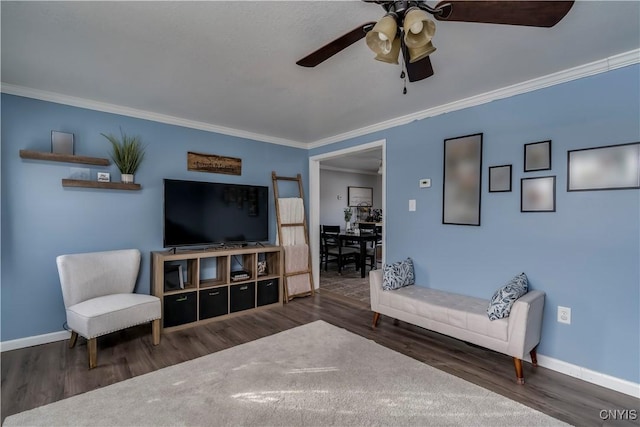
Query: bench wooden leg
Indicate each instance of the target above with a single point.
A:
(73, 339)
(534, 356)
(519, 375)
(376, 318)
(92, 347)
(155, 331)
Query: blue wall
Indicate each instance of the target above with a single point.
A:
(41, 219)
(584, 256)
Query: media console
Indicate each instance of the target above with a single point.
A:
(216, 283)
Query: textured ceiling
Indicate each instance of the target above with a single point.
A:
(232, 64)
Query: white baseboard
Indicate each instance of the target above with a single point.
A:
(35, 340)
(603, 380)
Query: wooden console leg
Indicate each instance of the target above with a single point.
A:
(518, 365)
(155, 331)
(73, 339)
(534, 356)
(376, 318)
(92, 347)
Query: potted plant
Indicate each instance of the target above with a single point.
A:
(347, 218)
(127, 153)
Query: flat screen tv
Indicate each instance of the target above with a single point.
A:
(209, 213)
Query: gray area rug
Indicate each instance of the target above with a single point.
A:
(312, 375)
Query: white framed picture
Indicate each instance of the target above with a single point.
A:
(104, 177)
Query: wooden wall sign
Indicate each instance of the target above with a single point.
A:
(212, 163)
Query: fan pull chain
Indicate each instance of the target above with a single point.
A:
(403, 75)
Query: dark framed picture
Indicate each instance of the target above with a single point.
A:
(360, 196)
(499, 179)
(612, 167)
(462, 183)
(538, 194)
(537, 156)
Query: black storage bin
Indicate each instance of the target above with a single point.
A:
(242, 297)
(268, 292)
(214, 302)
(180, 309)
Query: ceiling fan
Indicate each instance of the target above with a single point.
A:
(406, 27)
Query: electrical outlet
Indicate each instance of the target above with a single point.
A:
(564, 315)
(412, 205)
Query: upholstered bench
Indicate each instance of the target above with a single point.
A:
(464, 317)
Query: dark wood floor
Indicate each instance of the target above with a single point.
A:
(35, 376)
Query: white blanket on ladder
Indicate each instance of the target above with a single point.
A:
(291, 212)
(296, 250)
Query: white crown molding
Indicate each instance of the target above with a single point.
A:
(337, 169)
(142, 114)
(601, 66)
(586, 70)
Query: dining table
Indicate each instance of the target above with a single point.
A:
(362, 238)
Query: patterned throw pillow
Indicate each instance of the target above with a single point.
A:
(503, 298)
(397, 275)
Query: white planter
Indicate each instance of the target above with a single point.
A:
(127, 178)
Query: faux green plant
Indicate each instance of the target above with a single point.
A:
(347, 214)
(127, 152)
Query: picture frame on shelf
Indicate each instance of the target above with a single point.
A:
(500, 178)
(537, 156)
(62, 142)
(462, 183)
(611, 167)
(538, 194)
(104, 177)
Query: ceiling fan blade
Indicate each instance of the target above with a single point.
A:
(341, 43)
(529, 13)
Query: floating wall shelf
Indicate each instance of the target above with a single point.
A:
(68, 158)
(98, 184)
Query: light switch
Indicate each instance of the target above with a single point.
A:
(425, 183)
(412, 205)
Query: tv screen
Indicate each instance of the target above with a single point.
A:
(202, 213)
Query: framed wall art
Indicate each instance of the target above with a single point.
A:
(538, 194)
(360, 196)
(537, 156)
(499, 179)
(613, 167)
(462, 180)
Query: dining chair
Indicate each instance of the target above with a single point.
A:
(335, 251)
(370, 257)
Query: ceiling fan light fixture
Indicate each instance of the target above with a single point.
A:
(419, 29)
(418, 53)
(392, 56)
(380, 39)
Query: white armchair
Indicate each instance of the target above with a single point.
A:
(97, 289)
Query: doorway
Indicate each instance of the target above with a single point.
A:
(357, 158)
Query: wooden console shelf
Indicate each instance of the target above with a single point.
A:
(68, 158)
(207, 290)
(98, 184)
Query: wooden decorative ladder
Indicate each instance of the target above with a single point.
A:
(288, 274)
